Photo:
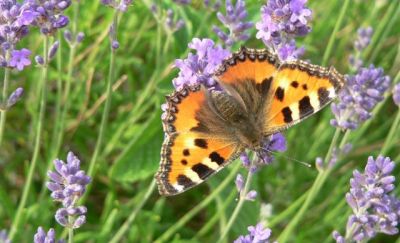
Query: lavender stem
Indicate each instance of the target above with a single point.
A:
(239, 205)
(39, 128)
(3, 113)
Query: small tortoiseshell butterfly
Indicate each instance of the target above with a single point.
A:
(205, 130)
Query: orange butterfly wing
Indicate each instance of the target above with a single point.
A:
(299, 89)
(191, 152)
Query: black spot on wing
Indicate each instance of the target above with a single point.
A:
(200, 128)
(216, 157)
(280, 94)
(304, 86)
(287, 114)
(323, 95)
(199, 142)
(185, 181)
(305, 107)
(295, 84)
(186, 152)
(264, 86)
(203, 171)
(184, 162)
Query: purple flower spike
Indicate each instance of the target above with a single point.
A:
(239, 182)
(289, 51)
(374, 209)
(396, 94)
(362, 41)
(282, 20)
(234, 20)
(198, 68)
(42, 237)
(49, 15)
(172, 25)
(15, 97)
(20, 59)
(68, 185)
(256, 234)
(356, 101)
(273, 143)
(121, 5)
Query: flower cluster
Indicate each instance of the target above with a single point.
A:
(198, 68)
(15, 19)
(256, 234)
(362, 93)
(251, 195)
(281, 21)
(396, 94)
(213, 6)
(374, 209)
(182, 2)
(42, 237)
(275, 142)
(363, 39)
(121, 5)
(234, 21)
(336, 152)
(68, 185)
(49, 15)
(172, 25)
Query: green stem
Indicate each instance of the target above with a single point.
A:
(334, 32)
(3, 112)
(287, 212)
(239, 205)
(220, 215)
(39, 128)
(315, 188)
(182, 221)
(106, 110)
(390, 136)
(124, 228)
(70, 235)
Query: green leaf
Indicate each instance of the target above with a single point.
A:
(140, 159)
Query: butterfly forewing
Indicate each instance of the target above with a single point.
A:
(191, 152)
(299, 90)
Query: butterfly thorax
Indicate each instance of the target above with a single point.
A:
(241, 123)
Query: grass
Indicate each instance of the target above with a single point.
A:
(105, 106)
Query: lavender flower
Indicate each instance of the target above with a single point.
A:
(4, 237)
(68, 185)
(282, 20)
(182, 2)
(198, 68)
(374, 209)
(42, 237)
(121, 5)
(53, 50)
(257, 234)
(356, 101)
(396, 94)
(15, 97)
(234, 21)
(20, 59)
(275, 142)
(289, 51)
(319, 162)
(14, 21)
(362, 41)
(49, 15)
(213, 6)
(172, 25)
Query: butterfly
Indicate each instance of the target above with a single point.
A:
(207, 129)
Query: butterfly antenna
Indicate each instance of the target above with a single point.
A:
(288, 157)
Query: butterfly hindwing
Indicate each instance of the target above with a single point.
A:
(299, 89)
(191, 151)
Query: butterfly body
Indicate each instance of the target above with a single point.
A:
(207, 129)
